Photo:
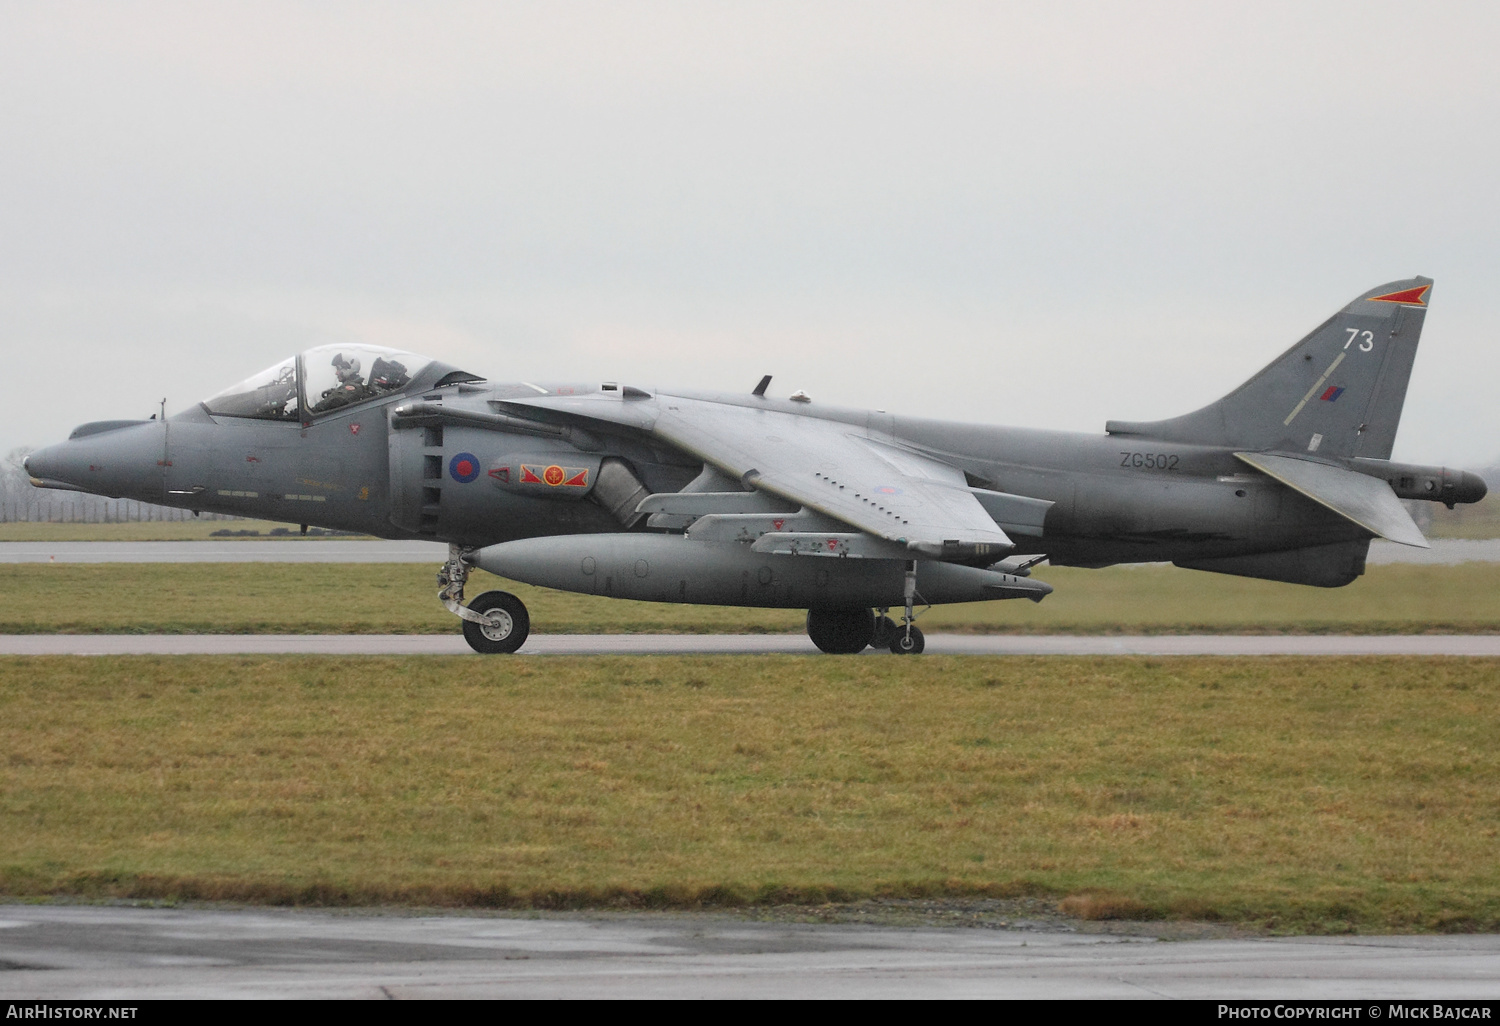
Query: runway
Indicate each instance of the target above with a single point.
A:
(750, 644)
(115, 953)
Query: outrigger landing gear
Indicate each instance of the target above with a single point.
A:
(907, 639)
(494, 623)
(847, 631)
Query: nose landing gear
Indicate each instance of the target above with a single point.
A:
(507, 628)
(495, 623)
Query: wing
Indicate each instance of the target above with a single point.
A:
(829, 467)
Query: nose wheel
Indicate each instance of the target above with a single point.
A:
(495, 623)
(507, 627)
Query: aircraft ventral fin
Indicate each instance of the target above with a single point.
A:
(827, 466)
(1368, 501)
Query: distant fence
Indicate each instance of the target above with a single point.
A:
(77, 508)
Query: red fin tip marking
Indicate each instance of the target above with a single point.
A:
(1416, 296)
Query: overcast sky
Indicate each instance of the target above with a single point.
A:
(1044, 214)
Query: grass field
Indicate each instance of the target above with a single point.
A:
(1476, 520)
(1294, 795)
(296, 598)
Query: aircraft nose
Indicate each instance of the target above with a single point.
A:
(45, 464)
(104, 459)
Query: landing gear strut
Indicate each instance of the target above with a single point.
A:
(908, 638)
(495, 622)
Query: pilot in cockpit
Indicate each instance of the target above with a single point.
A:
(347, 369)
(351, 388)
(386, 375)
(356, 374)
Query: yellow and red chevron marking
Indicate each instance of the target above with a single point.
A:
(554, 475)
(1413, 297)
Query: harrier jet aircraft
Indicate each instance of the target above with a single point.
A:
(746, 499)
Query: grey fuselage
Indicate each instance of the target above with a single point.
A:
(1115, 499)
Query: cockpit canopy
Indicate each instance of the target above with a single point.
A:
(329, 378)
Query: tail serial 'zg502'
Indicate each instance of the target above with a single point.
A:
(744, 499)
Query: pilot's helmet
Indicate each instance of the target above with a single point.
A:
(347, 370)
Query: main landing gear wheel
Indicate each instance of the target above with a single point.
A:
(908, 644)
(885, 631)
(841, 631)
(510, 627)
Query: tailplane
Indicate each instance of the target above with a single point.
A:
(1338, 392)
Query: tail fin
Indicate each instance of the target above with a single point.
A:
(1338, 392)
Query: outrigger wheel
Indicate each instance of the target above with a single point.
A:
(508, 627)
(908, 643)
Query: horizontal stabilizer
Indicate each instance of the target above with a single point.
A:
(1368, 501)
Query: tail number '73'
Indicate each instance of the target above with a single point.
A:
(1149, 460)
